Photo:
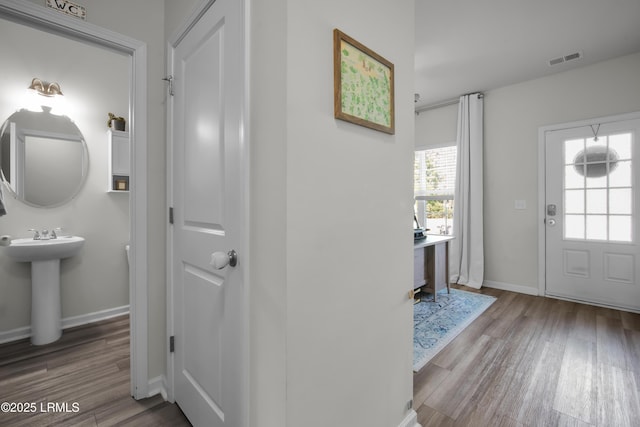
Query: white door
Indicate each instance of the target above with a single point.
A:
(208, 200)
(592, 210)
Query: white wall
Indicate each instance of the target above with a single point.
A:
(513, 115)
(331, 216)
(97, 279)
(331, 258)
(269, 252)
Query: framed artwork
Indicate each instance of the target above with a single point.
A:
(363, 91)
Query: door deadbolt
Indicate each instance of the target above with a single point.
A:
(551, 210)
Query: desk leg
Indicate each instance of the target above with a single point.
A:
(446, 269)
(429, 256)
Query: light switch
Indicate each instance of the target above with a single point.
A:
(521, 204)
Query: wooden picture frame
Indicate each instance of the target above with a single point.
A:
(363, 85)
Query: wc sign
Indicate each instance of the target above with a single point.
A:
(68, 7)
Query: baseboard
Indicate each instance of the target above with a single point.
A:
(97, 316)
(15, 334)
(158, 385)
(411, 420)
(511, 287)
(69, 322)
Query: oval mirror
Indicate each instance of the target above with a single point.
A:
(43, 157)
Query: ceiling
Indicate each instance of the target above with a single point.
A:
(465, 46)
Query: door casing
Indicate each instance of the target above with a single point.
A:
(54, 22)
(541, 185)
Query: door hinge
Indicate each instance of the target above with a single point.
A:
(169, 79)
(170, 215)
(172, 344)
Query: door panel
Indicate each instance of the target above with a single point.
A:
(204, 176)
(592, 205)
(208, 205)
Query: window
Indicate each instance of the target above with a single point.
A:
(598, 191)
(434, 187)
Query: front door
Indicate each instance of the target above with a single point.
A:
(208, 294)
(591, 213)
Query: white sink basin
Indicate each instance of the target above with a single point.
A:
(45, 256)
(27, 250)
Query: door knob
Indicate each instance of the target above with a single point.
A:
(220, 260)
(551, 222)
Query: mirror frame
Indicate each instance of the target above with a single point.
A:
(40, 17)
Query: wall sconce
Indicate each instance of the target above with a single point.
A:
(45, 88)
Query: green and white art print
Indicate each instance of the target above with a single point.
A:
(363, 85)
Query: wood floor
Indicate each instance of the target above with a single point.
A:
(526, 361)
(86, 373)
(534, 361)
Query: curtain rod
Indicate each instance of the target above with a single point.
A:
(446, 103)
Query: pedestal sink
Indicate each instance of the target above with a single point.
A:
(45, 256)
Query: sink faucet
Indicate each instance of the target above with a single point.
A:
(45, 234)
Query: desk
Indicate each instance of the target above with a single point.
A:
(431, 264)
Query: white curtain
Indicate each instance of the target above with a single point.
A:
(466, 256)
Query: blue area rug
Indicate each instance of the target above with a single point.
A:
(436, 324)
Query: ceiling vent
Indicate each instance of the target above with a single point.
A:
(566, 58)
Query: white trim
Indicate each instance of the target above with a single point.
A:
(158, 385)
(182, 31)
(169, 232)
(97, 316)
(411, 420)
(542, 132)
(595, 304)
(15, 334)
(423, 147)
(587, 122)
(521, 289)
(542, 183)
(246, 193)
(52, 21)
(138, 276)
(69, 322)
(435, 197)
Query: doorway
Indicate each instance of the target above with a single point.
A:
(41, 18)
(590, 211)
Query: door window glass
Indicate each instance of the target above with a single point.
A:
(598, 194)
